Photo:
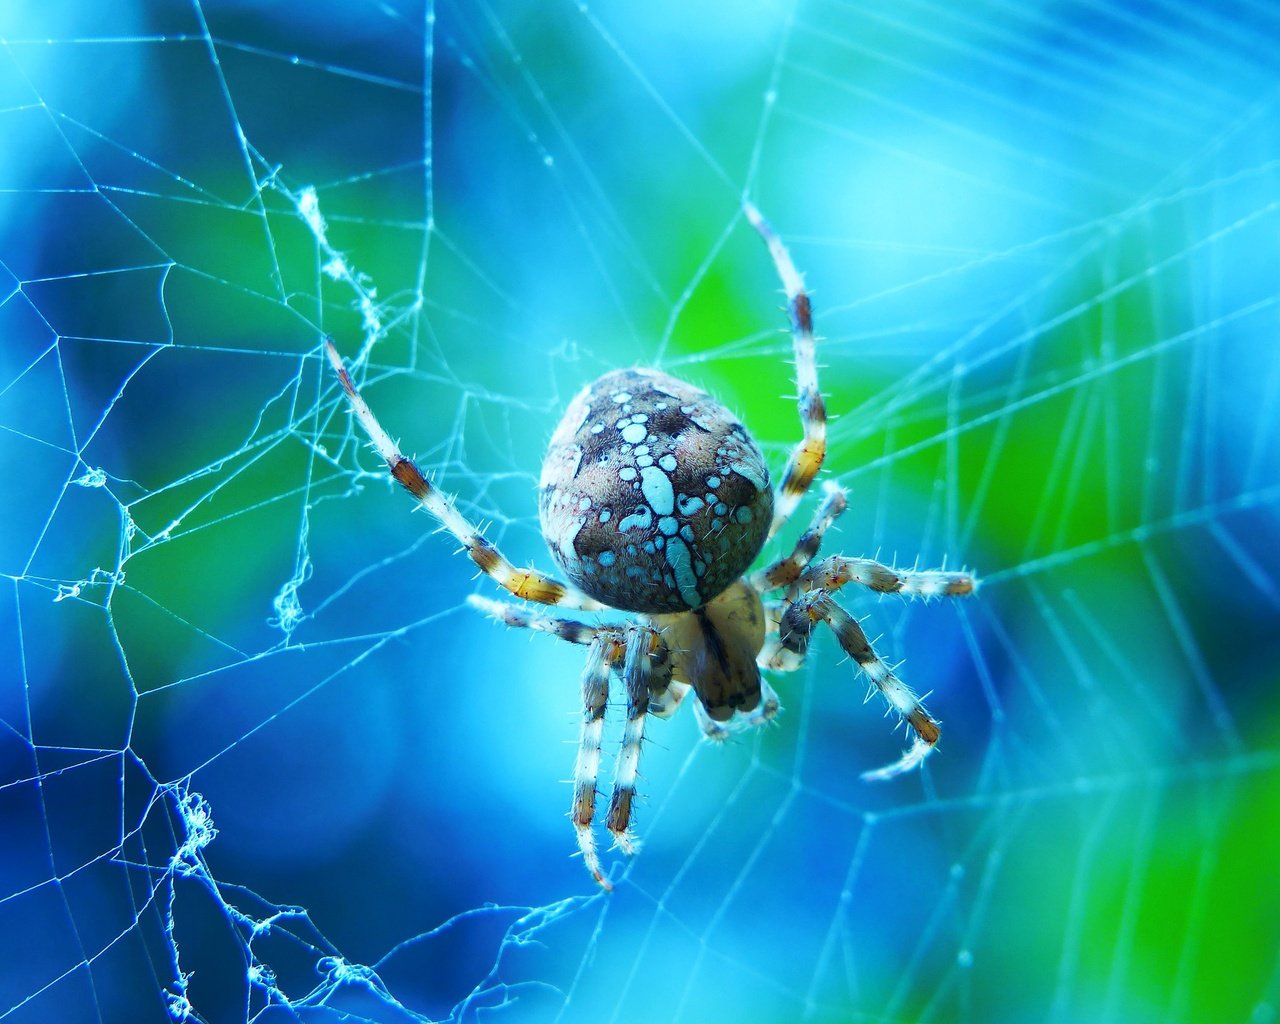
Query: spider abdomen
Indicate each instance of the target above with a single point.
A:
(653, 497)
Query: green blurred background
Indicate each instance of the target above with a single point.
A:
(1042, 240)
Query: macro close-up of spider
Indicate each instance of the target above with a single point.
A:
(656, 501)
(843, 512)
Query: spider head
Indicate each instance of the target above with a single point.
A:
(653, 497)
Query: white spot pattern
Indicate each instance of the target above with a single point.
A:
(650, 504)
(655, 485)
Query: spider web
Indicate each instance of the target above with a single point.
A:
(259, 761)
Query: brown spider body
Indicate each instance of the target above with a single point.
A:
(655, 500)
(653, 497)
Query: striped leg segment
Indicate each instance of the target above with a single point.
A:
(807, 457)
(646, 669)
(786, 571)
(817, 606)
(522, 617)
(645, 663)
(833, 573)
(595, 695)
(527, 584)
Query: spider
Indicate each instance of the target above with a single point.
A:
(655, 500)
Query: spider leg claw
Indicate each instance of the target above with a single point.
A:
(910, 759)
(587, 847)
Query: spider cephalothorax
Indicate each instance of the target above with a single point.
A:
(655, 501)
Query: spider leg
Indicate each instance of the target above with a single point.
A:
(774, 653)
(528, 584)
(797, 628)
(665, 703)
(833, 573)
(806, 458)
(786, 571)
(595, 696)
(646, 669)
(520, 617)
(665, 694)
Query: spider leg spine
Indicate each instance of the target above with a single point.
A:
(595, 698)
(518, 617)
(527, 584)
(807, 458)
(786, 571)
(645, 668)
(835, 571)
(896, 693)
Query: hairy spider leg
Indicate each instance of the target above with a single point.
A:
(834, 572)
(797, 627)
(665, 694)
(527, 584)
(786, 571)
(646, 667)
(595, 696)
(522, 617)
(806, 458)
(646, 671)
(773, 654)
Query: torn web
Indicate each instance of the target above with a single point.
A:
(258, 759)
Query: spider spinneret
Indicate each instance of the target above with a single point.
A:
(655, 501)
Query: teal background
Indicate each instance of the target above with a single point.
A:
(1042, 241)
